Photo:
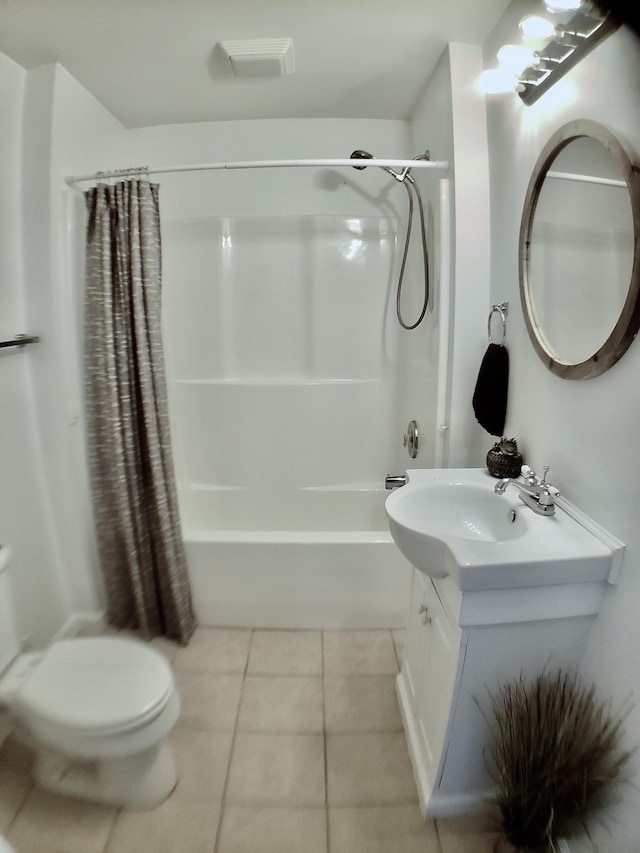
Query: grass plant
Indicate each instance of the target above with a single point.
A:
(555, 749)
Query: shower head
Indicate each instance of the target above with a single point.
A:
(358, 154)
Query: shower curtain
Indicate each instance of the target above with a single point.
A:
(132, 477)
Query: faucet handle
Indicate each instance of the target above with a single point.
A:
(529, 475)
(543, 483)
(531, 479)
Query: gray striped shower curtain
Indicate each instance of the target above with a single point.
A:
(132, 477)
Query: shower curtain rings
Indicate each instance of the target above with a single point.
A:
(125, 174)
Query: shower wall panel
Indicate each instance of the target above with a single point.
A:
(279, 297)
(278, 349)
(261, 433)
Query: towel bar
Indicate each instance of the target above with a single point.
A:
(19, 341)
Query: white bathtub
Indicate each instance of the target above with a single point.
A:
(298, 558)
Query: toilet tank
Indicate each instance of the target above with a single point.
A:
(9, 644)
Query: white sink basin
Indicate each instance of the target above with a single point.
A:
(450, 521)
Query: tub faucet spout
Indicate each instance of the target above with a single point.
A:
(394, 481)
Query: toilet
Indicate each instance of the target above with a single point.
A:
(95, 710)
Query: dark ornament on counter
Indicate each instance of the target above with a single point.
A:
(504, 459)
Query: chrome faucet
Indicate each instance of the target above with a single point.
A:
(395, 481)
(536, 494)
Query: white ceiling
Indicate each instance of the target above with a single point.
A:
(154, 61)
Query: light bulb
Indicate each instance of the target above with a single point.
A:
(537, 27)
(515, 58)
(494, 81)
(562, 5)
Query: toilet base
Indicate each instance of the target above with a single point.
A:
(131, 781)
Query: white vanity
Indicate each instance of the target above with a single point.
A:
(498, 591)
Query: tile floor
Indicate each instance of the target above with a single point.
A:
(288, 742)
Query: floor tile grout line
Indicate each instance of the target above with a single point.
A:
(324, 743)
(223, 799)
(395, 649)
(112, 829)
(24, 799)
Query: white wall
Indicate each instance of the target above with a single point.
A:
(25, 520)
(64, 129)
(450, 121)
(587, 431)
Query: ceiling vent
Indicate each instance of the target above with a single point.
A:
(259, 57)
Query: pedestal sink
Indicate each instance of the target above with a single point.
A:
(451, 522)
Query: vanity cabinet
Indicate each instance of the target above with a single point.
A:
(431, 657)
(458, 648)
(499, 592)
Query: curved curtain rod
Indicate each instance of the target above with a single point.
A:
(261, 164)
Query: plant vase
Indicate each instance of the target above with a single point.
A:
(503, 845)
(504, 459)
(555, 749)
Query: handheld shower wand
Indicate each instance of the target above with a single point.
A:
(405, 178)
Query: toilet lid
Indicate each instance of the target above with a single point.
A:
(97, 684)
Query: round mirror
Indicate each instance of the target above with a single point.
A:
(580, 251)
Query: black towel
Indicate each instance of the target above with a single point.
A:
(490, 396)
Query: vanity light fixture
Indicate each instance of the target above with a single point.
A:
(549, 48)
(516, 57)
(535, 27)
(563, 5)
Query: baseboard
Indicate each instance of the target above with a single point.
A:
(423, 783)
(86, 624)
(455, 805)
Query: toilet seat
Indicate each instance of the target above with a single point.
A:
(95, 687)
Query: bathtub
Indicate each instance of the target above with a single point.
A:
(289, 393)
(293, 558)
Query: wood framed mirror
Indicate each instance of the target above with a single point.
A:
(579, 250)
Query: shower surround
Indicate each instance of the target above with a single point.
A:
(290, 388)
